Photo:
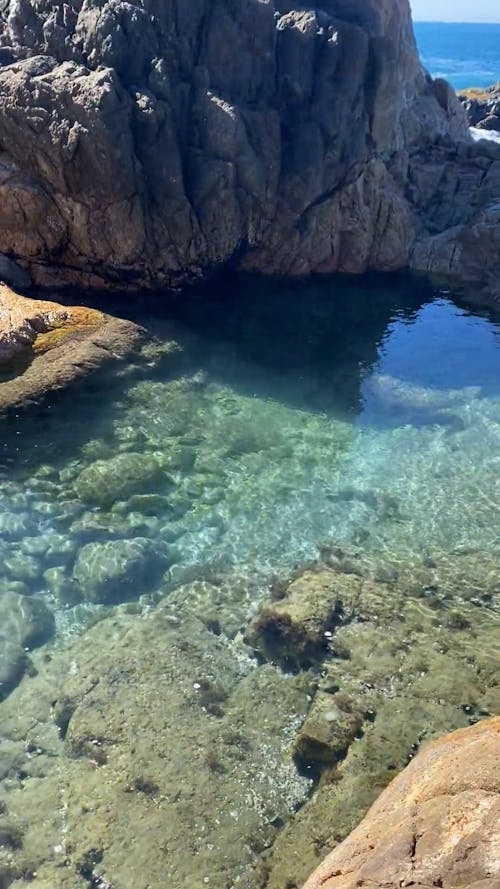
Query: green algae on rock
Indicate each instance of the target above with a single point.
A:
(407, 661)
(159, 724)
(142, 728)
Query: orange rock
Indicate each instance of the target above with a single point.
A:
(46, 346)
(437, 824)
(23, 321)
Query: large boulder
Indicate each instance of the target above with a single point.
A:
(145, 146)
(437, 824)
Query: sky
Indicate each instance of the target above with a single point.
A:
(456, 10)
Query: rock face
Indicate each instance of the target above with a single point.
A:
(144, 143)
(437, 824)
(482, 107)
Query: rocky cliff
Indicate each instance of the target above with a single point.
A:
(144, 143)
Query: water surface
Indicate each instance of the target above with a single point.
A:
(466, 54)
(265, 424)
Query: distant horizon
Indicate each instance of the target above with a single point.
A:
(451, 22)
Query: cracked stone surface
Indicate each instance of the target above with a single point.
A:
(437, 824)
(145, 143)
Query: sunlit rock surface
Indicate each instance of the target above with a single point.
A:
(45, 345)
(437, 824)
(144, 144)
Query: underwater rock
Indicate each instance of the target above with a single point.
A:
(223, 607)
(118, 569)
(25, 622)
(14, 526)
(296, 629)
(119, 478)
(437, 824)
(21, 566)
(410, 659)
(327, 732)
(164, 740)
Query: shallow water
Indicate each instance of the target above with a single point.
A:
(285, 417)
(265, 423)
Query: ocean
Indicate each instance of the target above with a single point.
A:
(465, 54)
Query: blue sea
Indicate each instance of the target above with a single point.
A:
(465, 54)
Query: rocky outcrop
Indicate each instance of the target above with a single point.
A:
(34, 323)
(482, 107)
(46, 346)
(437, 824)
(145, 143)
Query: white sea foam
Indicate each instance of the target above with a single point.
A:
(491, 135)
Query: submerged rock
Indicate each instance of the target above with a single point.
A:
(25, 622)
(167, 739)
(437, 824)
(295, 629)
(118, 569)
(119, 478)
(407, 659)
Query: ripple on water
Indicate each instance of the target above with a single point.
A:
(204, 476)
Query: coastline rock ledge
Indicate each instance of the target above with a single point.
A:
(45, 346)
(437, 824)
(144, 143)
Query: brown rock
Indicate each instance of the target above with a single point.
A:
(142, 147)
(437, 824)
(46, 346)
(39, 323)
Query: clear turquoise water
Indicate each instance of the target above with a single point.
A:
(305, 414)
(264, 425)
(465, 54)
